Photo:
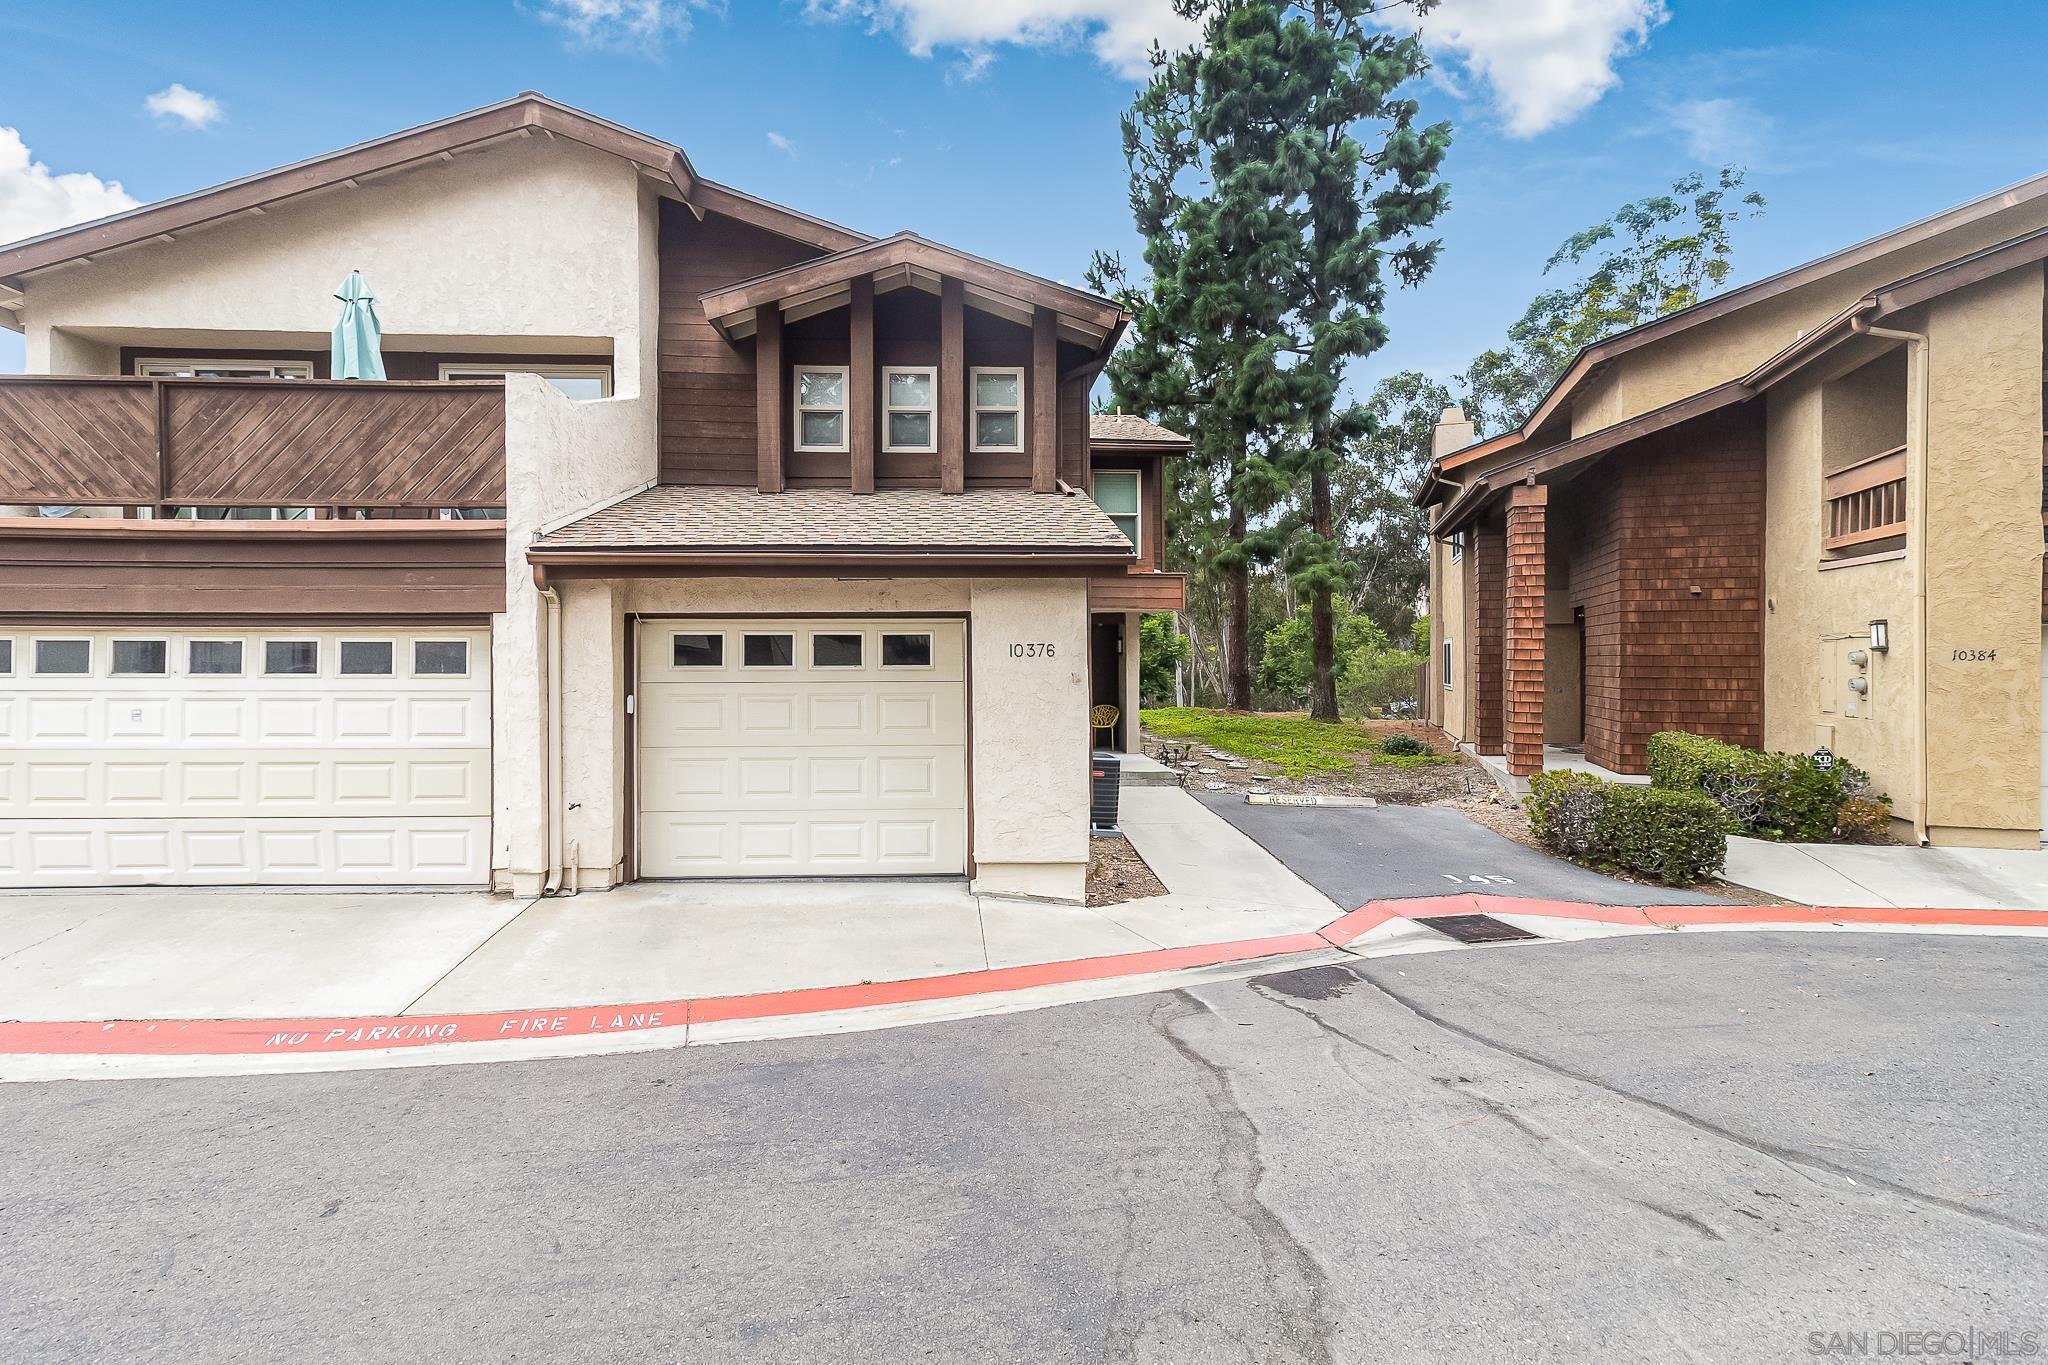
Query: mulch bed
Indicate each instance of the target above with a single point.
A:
(1117, 874)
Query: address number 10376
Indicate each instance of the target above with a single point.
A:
(1033, 649)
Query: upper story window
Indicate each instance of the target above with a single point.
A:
(160, 368)
(1116, 492)
(909, 408)
(998, 417)
(577, 381)
(821, 407)
(1457, 543)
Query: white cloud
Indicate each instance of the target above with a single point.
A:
(186, 106)
(1546, 61)
(1119, 32)
(35, 200)
(644, 24)
(781, 143)
(1722, 130)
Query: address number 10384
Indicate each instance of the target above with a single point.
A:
(1033, 649)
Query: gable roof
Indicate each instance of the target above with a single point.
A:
(908, 259)
(1592, 357)
(523, 115)
(1122, 430)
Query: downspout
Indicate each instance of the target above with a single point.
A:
(1918, 487)
(551, 781)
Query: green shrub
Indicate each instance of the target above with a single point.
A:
(1675, 837)
(1562, 807)
(1772, 795)
(1373, 680)
(1400, 743)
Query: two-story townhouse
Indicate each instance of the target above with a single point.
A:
(690, 535)
(1799, 515)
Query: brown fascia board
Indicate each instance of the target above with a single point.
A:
(1756, 292)
(1114, 447)
(525, 113)
(910, 563)
(729, 302)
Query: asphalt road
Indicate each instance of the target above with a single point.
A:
(1697, 1147)
(1355, 854)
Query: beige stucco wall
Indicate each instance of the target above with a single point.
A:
(1029, 715)
(1813, 617)
(1983, 575)
(1984, 561)
(1726, 348)
(531, 243)
(1448, 706)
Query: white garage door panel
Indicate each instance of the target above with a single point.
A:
(322, 778)
(805, 769)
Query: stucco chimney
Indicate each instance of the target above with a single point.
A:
(1453, 432)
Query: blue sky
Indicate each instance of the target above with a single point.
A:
(992, 124)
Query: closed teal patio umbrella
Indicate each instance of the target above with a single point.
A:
(358, 351)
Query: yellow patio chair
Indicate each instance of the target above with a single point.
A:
(1104, 717)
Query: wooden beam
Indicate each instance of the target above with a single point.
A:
(1045, 401)
(770, 412)
(952, 395)
(860, 398)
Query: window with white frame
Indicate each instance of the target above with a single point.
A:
(582, 382)
(910, 397)
(167, 368)
(1447, 665)
(997, 421)
(820, 394)
(1457, 543)
(1116, 492)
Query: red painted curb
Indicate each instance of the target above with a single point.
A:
(270, 1037)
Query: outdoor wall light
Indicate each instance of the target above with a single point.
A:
(1880, 636)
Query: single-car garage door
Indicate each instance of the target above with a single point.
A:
(272, 755)
(802, 748)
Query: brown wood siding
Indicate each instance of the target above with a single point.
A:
(1137, 592)
(708, 400)
(385, 570)
(1151, 504)
(1677, 511)
(707, 384)
(230, 442)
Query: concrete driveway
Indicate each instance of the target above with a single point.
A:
(1661, 1148)
(1358, 854)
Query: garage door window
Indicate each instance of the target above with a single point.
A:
(906, 651)
(699, 651)
(835, 651)
(366, 658)
(769, 651)
(141, 658)
(291, 658)
(215, 658)
(63, 657)
(440, 659)
(6, 658)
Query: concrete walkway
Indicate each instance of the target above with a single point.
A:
(1850, 874)
(218, 954)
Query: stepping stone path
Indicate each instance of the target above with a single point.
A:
(1208, 772)
(1217, 786)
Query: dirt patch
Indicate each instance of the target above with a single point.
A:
(1117, 874)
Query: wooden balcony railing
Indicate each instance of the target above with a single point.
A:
(113, 441)
(1866, 501)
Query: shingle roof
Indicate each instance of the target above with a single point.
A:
(981, 521)
(1118, 426)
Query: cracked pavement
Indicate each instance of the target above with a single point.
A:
(1697, 1147)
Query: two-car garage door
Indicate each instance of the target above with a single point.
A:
(263, 755)
(805, 747)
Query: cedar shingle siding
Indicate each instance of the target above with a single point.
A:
(1680, 509)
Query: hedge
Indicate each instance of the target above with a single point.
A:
(1675, 837)
(1771, 795)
